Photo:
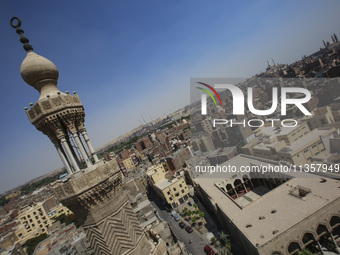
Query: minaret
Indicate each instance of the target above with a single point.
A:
(324, 43)
(93, 190)
(58, 115)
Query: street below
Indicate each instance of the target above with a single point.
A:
(194, 241)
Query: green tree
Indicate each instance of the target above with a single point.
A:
(3, 201)
(195, 205)
(28, 188)
(225, 251)
(201, 214)
(188, 213)
(213, 240)
(306, 252)
(67, 219)
(193, 219)
(224, 238)
(33, 242)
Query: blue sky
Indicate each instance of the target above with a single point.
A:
(130, 57)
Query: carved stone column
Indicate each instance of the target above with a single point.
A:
(62, 157)
(82, 150)
(69, 154)
(89, 145)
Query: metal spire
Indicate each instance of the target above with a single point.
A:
(16, 23)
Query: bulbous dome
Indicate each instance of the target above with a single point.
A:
(36, 68)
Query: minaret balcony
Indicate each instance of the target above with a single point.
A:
(53, 105)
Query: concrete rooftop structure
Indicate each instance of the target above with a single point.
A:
(275, 212)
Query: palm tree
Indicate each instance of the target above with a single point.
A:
(213, 240)
(306, 252)
(224, 238)
(225, 251)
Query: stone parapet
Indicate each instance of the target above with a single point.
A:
(52, 105)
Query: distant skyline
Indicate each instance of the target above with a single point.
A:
(124, 58)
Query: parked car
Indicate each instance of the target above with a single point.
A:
(208, 250)
(181, 224)
(175, 215)
(188, 229)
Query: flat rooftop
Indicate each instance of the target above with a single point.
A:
(289, 209)
(272, 132)
(308, 138)
(151, 172)
(266, 146)
(166, 183)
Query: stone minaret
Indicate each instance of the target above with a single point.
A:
(93, 188)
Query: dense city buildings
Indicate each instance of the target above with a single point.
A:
(274, 212)
(64, 239)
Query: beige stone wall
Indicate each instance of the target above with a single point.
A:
(118, 233)
(97, 199)
(304, 154)
(295, 134)
(279, 242)
(295, 234)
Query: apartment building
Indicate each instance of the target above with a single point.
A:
(297, 145)
(35, 220)
(173, 190)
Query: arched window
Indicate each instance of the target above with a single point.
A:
(293, 248)
(239, 187)
(245, 178)
(321, 230)
(237, 182)
(335, 221)
(335, 225)
(246, 182)
(308, 238)
(229, 187)
(310, 243)
(230, 190)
